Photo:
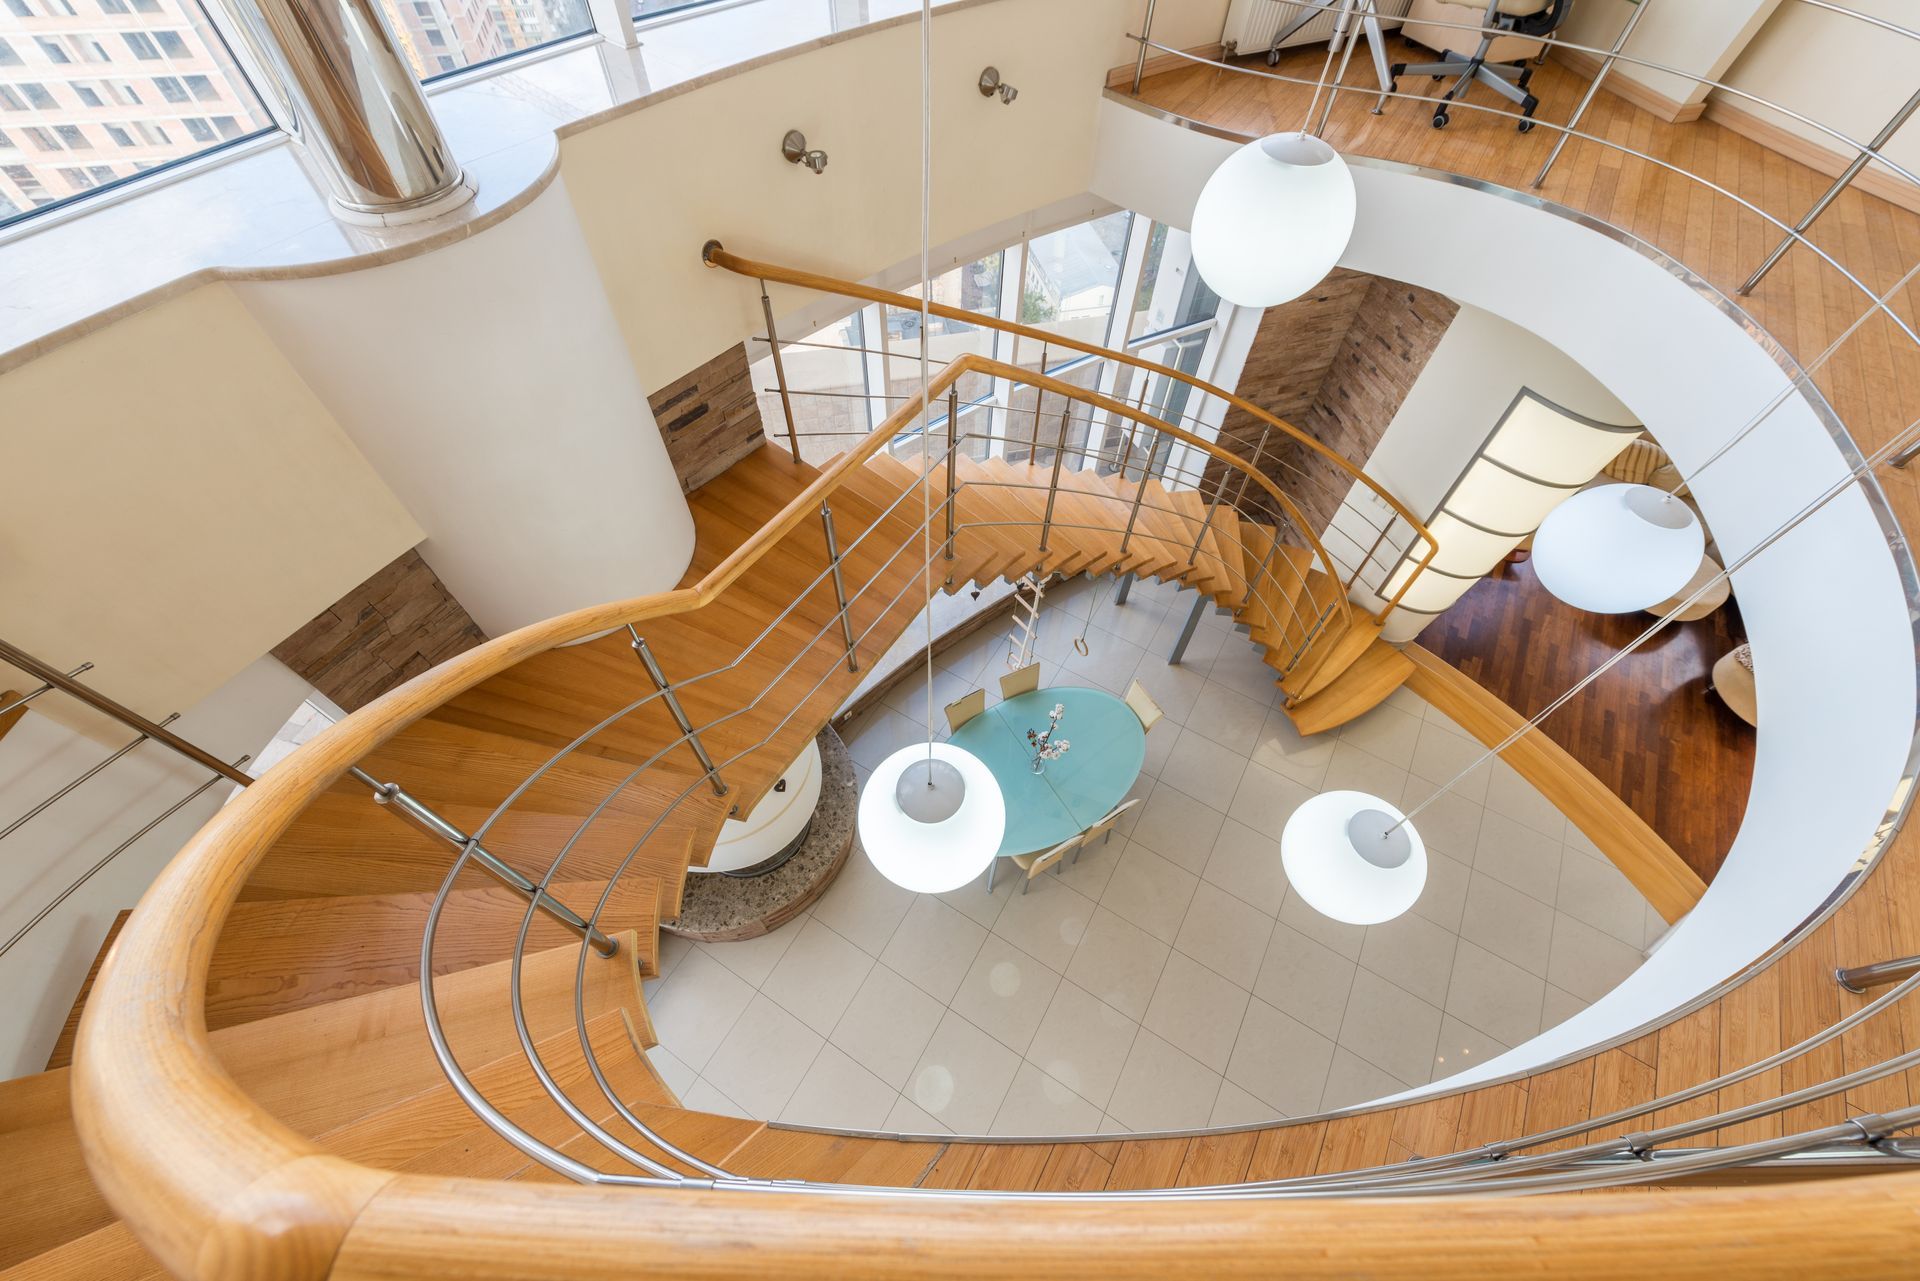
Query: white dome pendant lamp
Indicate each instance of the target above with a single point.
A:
(1273, 219)
(932, 815)
(1353, 857)
(1614, 549)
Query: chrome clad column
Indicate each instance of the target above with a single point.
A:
(358, 109)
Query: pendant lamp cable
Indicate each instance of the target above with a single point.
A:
(1803, 378)
(1307, 122)
(926, 292)
(1865, 468)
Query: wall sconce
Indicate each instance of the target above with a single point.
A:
(794, 148)
(991, 84)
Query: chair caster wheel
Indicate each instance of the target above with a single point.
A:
(1273, 57)
(1526, 126)
(1440, 120)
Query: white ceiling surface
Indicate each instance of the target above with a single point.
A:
(1824, 608)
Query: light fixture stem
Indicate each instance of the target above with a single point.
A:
(1306, 124)
(1864, 468)
(926, 291)
(1804, 376)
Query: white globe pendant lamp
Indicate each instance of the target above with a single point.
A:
(1614, 549)
(1273, 219)
(1353, 857)
(932, 817)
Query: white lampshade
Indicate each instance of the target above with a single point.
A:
(1273, 219)
(1339, 857)
(968, 813)
(1613, 549)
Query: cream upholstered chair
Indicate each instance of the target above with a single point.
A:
(1023, 681)
(1143, 706)
(962, 710)
(1713, 599)
(1644, 463)
(1104, 828)
(1034, 864)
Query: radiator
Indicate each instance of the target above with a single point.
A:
(1253, 24)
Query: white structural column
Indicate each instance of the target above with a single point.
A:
(489, 385)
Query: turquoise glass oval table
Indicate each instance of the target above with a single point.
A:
(1077, 790)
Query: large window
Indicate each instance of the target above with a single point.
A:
(1112, 282)
(441, 36)
(57, 107)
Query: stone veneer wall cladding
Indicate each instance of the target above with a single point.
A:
(710, 418)
(386, 631)
(1336, 363)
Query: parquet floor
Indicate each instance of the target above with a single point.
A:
(1645, 724)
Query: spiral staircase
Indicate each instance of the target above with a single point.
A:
(265, 1088)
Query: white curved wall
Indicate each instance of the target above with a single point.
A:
(1824, 608)
(489, 385)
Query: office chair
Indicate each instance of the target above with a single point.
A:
(1534, 19)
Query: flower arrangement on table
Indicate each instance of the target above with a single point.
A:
(1045, 746)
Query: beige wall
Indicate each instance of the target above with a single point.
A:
(180, 502)
(650, 186)
(1838, 70)
(1700, 37)
(1178, 24)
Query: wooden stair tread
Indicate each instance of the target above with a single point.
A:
(279, 955)
(1360, 687)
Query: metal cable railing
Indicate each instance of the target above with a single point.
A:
(1606, 1156)
(1494, 1167)
(52, 678)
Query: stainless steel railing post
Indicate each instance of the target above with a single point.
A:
(1840, 184)
(1140, 63)
(953, 462)
(1139, 493)
(1861, 977)
(780, 373)
(411, 808)
(1206, 524)
(839, 584)
(1266, 562)
(1606, 68)
(678, 712)
(1053, 485)
(1253, 465)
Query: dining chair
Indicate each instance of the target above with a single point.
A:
(1034, 864)
(962, 710)
(1104, 828)
(1023, 681)
(1143, 706)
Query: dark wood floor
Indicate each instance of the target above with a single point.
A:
(1648, 729)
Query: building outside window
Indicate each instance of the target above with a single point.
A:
(173, 38)
(456, 34)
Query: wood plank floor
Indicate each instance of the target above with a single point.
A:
(1648, 729)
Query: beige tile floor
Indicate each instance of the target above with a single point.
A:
(1169, 979)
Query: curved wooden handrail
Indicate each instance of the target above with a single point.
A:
(714, 254)
(214, 1185)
